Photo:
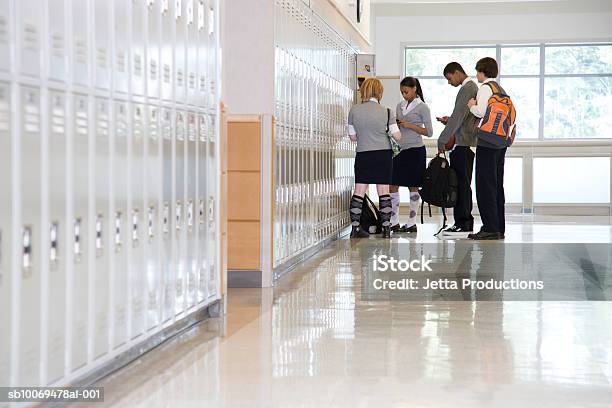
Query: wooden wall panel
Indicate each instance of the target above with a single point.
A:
(244, 249)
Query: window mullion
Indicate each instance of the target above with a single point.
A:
(541, 94)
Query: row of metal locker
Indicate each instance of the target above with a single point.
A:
(109, 195)
(315, 89)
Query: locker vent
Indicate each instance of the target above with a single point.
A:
(102, 122)
(166, 73)
(153, 128)
(180, 78)
(102, 57)
(30, 37)
(80, 51)
(57, 45)
(192, 80)
(81, 118)
(58, 120)
(153, 70)
(180, 126)
(121, 61)
(191, 131)
(3, 30)
(138, 65)
(5, 114)
(202, 83)
(31, 119)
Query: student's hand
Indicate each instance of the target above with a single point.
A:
(471, 102)
(443, 120)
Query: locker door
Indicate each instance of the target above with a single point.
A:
(31, 239)
(120, 222)
(138, 215)
(153, 48)
(203, 55)
(180, 49)
(102, 228)
(168, 267)
(102, 59)
(168, 21)
(80, 38)
(180, 211)
(78, 228)
(191, 218)
(5, 232)
(30, 28)
(57, 40)
(153, 205)
(211, 54)
(212, 205)
(192, 52)
(122, 45)
(56, 233)
(138, 47)
(202, 211)
(5, 41)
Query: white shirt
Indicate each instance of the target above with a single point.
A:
(409, 106)
(466, 80)
(393, 128)
(482, 99)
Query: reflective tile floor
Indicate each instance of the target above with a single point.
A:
(314, 342)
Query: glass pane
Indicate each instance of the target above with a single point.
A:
(577, 108)
(431, 62)
(525, 94)
(596, 59)
(440, 97)
(513, 181)
(553, 179)
(520, 61)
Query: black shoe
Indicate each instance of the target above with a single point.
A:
(456, 232)
(386, 232)
(408, 229)
(482, 235)
(357, 232)
(395, 228)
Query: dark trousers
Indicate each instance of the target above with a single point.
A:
(462, 161)
(490, 188)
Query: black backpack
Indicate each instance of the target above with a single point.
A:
(370, 217)
(439, 187)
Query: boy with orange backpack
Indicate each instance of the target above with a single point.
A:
(496, 132)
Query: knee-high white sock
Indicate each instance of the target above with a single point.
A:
(395, 201)
(414, 206)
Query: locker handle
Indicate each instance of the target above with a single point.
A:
(118, 240)
(53, 242)
(27, 251)
(166, 218)
(201, 211)
(178, 215)
(77, 240)
(135, 227)
(190, 215)
(99, 241)
(150, 223)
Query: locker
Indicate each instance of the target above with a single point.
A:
(57, 41)
(138, 214)
(203, 55)
(202, 193)
(5, 40)
(102, 228)
(192, 52)
(212, 206)
(138, 47)
(153, 194)
(103, 47)
(78, 228)
(80, 37)
(5, 232)
(167, 44)
(180, 212)
(180, 49)
(56, 235)
(122, 45)
(120, 222)
(31, 238)
(30, 30)
(191, 218)
(168, 266)
(153, 48)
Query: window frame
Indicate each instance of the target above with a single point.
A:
(541, 76)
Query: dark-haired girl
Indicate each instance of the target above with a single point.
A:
(414, 120)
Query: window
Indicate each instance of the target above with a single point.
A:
(560, 91)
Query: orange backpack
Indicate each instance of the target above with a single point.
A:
(499, 119)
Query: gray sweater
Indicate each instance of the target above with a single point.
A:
(461, 123)
(370, 122)
(420, 116)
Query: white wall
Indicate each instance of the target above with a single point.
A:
(445, 24)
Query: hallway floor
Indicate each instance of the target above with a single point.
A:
(314, 342)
